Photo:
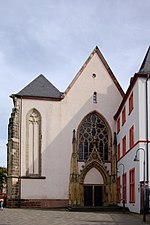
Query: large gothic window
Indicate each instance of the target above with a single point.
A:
(33, 146)
(93, 128)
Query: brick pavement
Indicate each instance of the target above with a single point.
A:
(53, 217)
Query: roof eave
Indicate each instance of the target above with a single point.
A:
(48, 98)
(136, 76)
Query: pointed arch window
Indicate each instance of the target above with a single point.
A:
(33, 145)
(93, 127)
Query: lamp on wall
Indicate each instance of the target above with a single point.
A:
(144, 196)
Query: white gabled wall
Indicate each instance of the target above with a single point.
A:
(58, 121)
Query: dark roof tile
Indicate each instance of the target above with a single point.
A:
(40, 87)
(145, 67)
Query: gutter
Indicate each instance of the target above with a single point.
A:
(19, 202)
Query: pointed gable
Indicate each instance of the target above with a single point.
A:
(145, 67)
(144, 72)
(97, 51)
(40, 87)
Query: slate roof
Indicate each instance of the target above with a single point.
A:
(145, 67)
(144, 72)
(40, 87)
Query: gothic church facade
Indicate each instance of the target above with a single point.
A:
(62, 147)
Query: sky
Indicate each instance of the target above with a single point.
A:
(55, 37)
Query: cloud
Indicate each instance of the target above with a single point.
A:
(56, 37)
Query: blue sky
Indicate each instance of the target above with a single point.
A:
(55, 37)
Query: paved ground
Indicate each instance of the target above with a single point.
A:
(47, 217)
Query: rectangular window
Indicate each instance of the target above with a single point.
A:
(118, 125)
(124, 145)
(124, 178)
(123, 115)
(118, 189)
(131, 103)
(131, 136)
(132, 185)
(118, 151)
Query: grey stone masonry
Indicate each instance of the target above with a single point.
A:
(13, 156)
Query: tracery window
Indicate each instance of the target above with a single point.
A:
(92, 128)
(33, 146)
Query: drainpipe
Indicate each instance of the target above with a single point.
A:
(19, 202)
(147, 153)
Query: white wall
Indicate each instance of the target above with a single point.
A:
(58, 121)
(93, 177)
(138, 119)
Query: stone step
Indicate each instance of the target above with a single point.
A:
(97, 209)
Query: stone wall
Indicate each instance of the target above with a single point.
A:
(13, 156)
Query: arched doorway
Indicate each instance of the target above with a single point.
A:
(92, 156)
(93, 188)
(95, 182)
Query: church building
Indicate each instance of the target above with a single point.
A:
(67, 148)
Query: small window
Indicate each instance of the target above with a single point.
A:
(93, 75)
(132, 184)
(124, 145)
(124, 179)
(118, 152)
(131, 103)
(118, 125)
(118, 189)
(95, 97)
(131, 136)
(123, 115)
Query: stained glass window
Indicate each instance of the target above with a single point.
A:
(92, 128)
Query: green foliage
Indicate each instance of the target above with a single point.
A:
(3, 178)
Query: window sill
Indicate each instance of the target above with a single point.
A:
(33, 177)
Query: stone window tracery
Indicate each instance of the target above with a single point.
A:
(33, 146)
(92, 128)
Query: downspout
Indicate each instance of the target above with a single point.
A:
(19, 203)
(147, 153)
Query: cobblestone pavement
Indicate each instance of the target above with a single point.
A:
(51, 217)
